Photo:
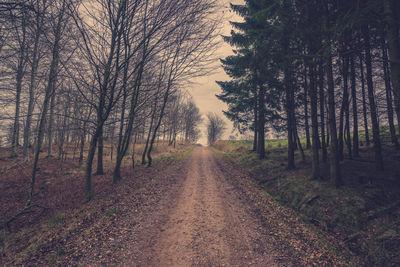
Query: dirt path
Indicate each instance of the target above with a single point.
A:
(200, 211)
(209, 225)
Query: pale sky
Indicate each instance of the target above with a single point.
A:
(205, 88)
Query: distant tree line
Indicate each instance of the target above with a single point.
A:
(79, 75)
(318, 69)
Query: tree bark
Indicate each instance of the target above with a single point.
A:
(61, 135)
(34, 67)
(327, 123)
(153, 138)
(255, 138)
(89, 162)
(371, 97)
(82, 143)
(345, 99)
(391, 12)
(389, 98)
(334, 167)
(149, 133)
(314, 121)
(297, 139)
(322, 111)
(50, 86)
(19, 77)
(50, 123)
(335, 174)
(306, 125)
(100, 150)
(355, 111)
(107, 84)
(364, 101)
(346, 109)
(133, 150)
(261, 123)
(290, 118)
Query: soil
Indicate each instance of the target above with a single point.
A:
(209, 224)
(199, 211)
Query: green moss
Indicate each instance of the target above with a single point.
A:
(55, 220)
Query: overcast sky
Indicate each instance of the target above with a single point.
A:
(204, 89)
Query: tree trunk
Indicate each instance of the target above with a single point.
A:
(297, 139)
(89, 162)
(255, 122)
(290, 118)
(100, 150)
(153, 138)
(391, 11)
(261, 123)
(322, 112)
(355, 111)
(389, 98)
(61, 139)
(50, 124)
(374, 118)
(31, 103)
(335, 175)
(50, 86)
(149, 134)
(124, 139)
(306, 125)
(15, 134)
(133, 151)
(364, 101)
(82, 143)
(314, 124)
(295, 147)
(334, 153)
(347, 131)
(347, 107)
(19, 77)
(345, 104)
(327, 123)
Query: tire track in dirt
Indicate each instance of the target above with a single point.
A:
(198, 211)
(190, 214)
(209, 226)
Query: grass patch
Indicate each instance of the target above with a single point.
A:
(60, 252)
(342, 212)
(55, 220)
(180, 154)
(39, 247)
(110, 212)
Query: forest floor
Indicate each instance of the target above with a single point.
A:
(197, 210)
(364, 213)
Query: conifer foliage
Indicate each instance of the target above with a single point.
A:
(315, 69)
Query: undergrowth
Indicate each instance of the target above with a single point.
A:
(41, 235)
(356, 213)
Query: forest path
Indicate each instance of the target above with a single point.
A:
(209, 224)
(200, 211)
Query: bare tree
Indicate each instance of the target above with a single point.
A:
(215, 128)
(191, 119)
(37, 28)
(60, 20)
